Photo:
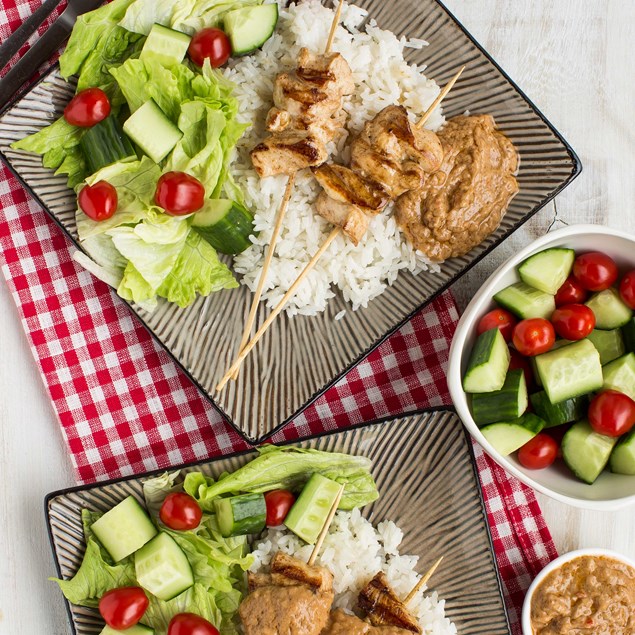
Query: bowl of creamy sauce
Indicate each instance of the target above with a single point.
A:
(584, 592)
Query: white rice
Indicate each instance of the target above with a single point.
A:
(354, 551)
(382, 78)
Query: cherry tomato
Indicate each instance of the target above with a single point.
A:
(627, 289)
(538, 453)
(573, 321)
(124, 607)
(503, 320)
(279, 502)
(571, 292)
(179, 193)
(518, 361)
(180, 511)
(98, 201)
(533, 336)
(190, 624)
(612, 413)
(210, 44)
(87, 108)
(595, 271)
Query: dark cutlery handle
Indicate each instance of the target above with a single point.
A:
(41, 51)
(15, 41)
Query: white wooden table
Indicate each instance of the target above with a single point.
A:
(572, 58)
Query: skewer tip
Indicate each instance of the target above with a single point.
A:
(422, 581)
(325, 529)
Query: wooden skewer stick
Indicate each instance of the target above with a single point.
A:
(439, 99)
(422, 582)
(334, 24)
(325, 529)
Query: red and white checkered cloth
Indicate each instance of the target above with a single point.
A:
(126, 408)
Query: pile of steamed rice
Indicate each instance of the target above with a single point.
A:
(354, 551)
(382, 78)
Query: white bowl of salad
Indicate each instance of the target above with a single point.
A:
(542, 366)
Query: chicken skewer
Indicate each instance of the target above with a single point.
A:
(352, 218)
(275, 121)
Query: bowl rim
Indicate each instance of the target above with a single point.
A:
(463, 329)
(558, 562)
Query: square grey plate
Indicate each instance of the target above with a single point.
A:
(299, 358)
(426, 476)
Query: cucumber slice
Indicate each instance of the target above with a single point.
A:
(609, 344)
(241, 515)
(152, 131)
(104, 144)
(609, 309)
(555, 414)
(509, 437)
(622, 459)
(532, 360)
(548, 269)
(488, 363)
(628, 333)
(620, 375)
(162, 568)
(586, 452)
(570, 371)
(307, 516)
(165, 45)
(137, 629)
(225, 225)
(525, 301)
(510, 402)
(124, 529)
(250, 27)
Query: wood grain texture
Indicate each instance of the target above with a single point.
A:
(572, 58)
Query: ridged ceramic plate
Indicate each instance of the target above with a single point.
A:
(299, 358)
(426, 475)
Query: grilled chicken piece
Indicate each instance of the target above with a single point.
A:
(277, 120)
(301, 99)
(383, 606)
(288, 152)
(352, 220)
(341, 623)
(346, 186)
(327, 71)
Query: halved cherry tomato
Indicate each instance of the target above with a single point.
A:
(538, 453)
(279, 502)
(571, 292)
(87, 108)
(124, 607)
(179, 193)
(573, 321)
(533, 336)
(191, 624)
(503, 320)
(519, 361)
(627, 289)
(612, 413)
(180, 511)
(210, 44)
(595, 271)
(98, 201)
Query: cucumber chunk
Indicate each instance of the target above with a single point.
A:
(532, 360)
(250, 27)
(124, 529)
(555, 414)
(620, 375)
(165, 45)
(488, 363)
(137, 629)
(507, 437)
(609, 309)
(241, 515)
(510, 402)
(622, 459)
(525, 301)
(548, 269)
(586, 452)
(104, 144)
(609, 344)
(570, 371)
(162, 568)
(225, 225)
(307, 516)
(628, 333)
(152, 131)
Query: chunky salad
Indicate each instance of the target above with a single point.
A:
(176, 564)
(553, 369)
(147, 140)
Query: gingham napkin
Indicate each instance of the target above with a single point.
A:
(126, 408)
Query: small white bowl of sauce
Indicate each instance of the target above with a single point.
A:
(583, 591)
